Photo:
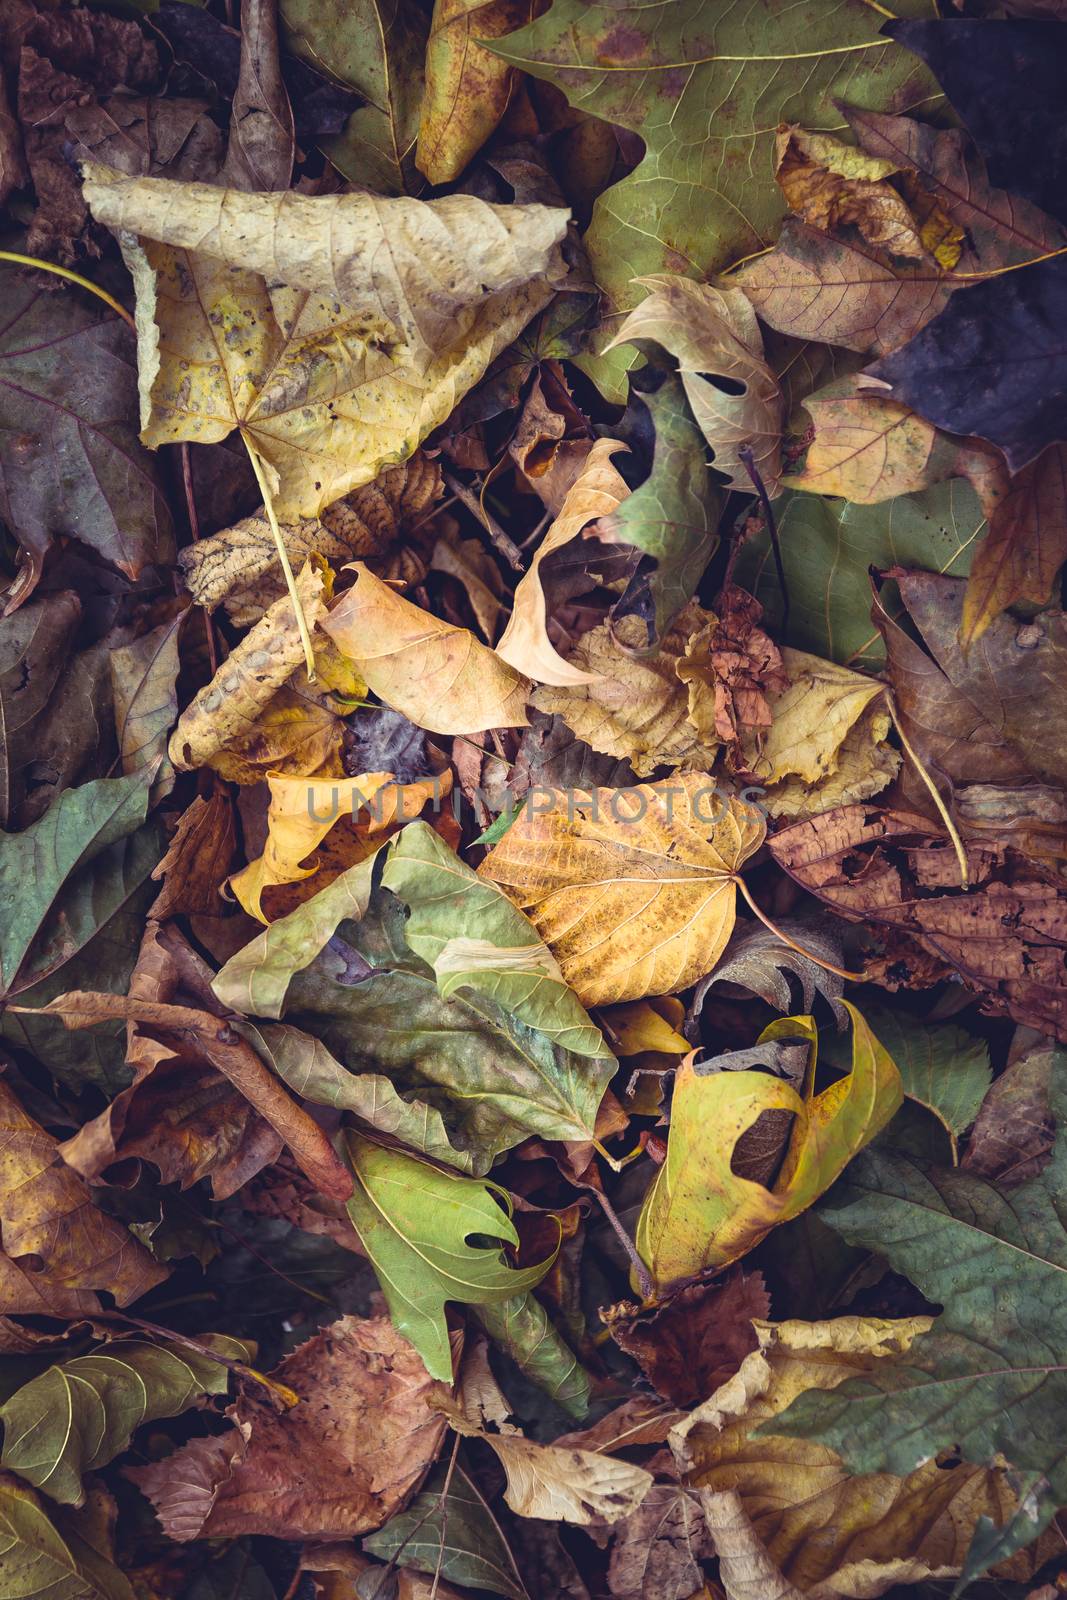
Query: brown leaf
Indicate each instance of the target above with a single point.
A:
(698, 1338)
(658, 1548)
(259, 154)
(638, 1421)
(551, 442)
(180, 1113)
(339, 1463)
(437, 675)
(198, 861)
(829, 184)
(239, 567)
(58, 1248)
(1025, 546)
(632, 889)
(740, 663)
(13, 170)
(1014, 1132)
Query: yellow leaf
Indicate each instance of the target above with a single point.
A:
(816, 1532)
(632, 889)
(596, 492)
(698, 1213)
(304, 810)
(710, 330)
(289, 317)
(467, 87)
(825, 746)
(830, 184)
(634, 707)
(647, 1026)
(439, 676)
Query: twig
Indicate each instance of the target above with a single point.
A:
(240, 1369)
(72, 277)
(950, 826)
(444, 1517)
(283, 554)
(507, 547)
(747, 459)
(641, 1272)
(809, 955)
(194, 529)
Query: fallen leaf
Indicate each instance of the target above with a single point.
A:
(449, 1528)
(339, 1463)
(830, 1533)
(467, 87)
(525, 644)
(346, 370)
(67, 389)
(757, 960)
(634, 707)
(144, 682)
(415, 1223)
(734, 658)
(829, 184)
(713, 335)
(652, 860)
(704, 193)
(699, 1212)
(79, 1415)
(1025, 547)
(59, 1249)
(658, 1548)
(1014, 1132)
(746, 1570)
(523, 1329)
(198, 860)
(690, 1344)
(239, 568)
(44, 1556)
(439, 676)
(260, 151)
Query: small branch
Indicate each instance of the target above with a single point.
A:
(283, 554)
(749, 463)
(507, 547)
(641, 1272)
(809, 955)
(240, 1369)
(942, 810)
(71, 277)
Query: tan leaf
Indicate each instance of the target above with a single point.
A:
(58, 1249)
(339, 1463)
(827, 183)
(467, 87)
(228, 710)
(712, 330)
(863, 764)
(746, 1570)
(632, 889)
(634, 707)
(439, 676)
(1025, 547)
(470, 563)
(867, 449)
(828, 1533)
(239, 566)
(365, 349)
(596, 492)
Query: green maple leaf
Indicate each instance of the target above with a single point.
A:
(706, 85)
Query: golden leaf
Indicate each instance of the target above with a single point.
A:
(713, 330)
(829, 184)
(439, 676)
(698, 1212)
(596, 492)
(467, 87)
(826, 1533)
(631, 889)
(354, 352)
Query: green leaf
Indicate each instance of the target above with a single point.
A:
(70, 458)
(827, 547)
(944, 1069)
(46, 884)
(456, 1529)
(46, 1558)
(522, 1328)
(81, 1414)
(674, 514)
(474, 938)
(415, 1222)
(705, 85)
(990, 1374)
(376, 46)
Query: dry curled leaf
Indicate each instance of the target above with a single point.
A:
(829, 184)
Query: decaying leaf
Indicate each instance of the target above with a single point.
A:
(829, 184)
(632, 890)
(700, 1212)
(693, 1342)
(438, 675)
(467, 88)
(346, 369)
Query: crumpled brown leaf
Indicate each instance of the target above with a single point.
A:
(694, 1341)
(1024, 547)
(339, 1463)
(741, 665)
(439, 676)
(239, 567)
(658, 1548)
(58, 1249)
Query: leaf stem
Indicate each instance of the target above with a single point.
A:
(809, 955)
(950, 826)
(71, 277)
(641, 1272)
(283, 554)
(748, 461)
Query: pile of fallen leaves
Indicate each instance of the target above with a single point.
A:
(533, 800)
